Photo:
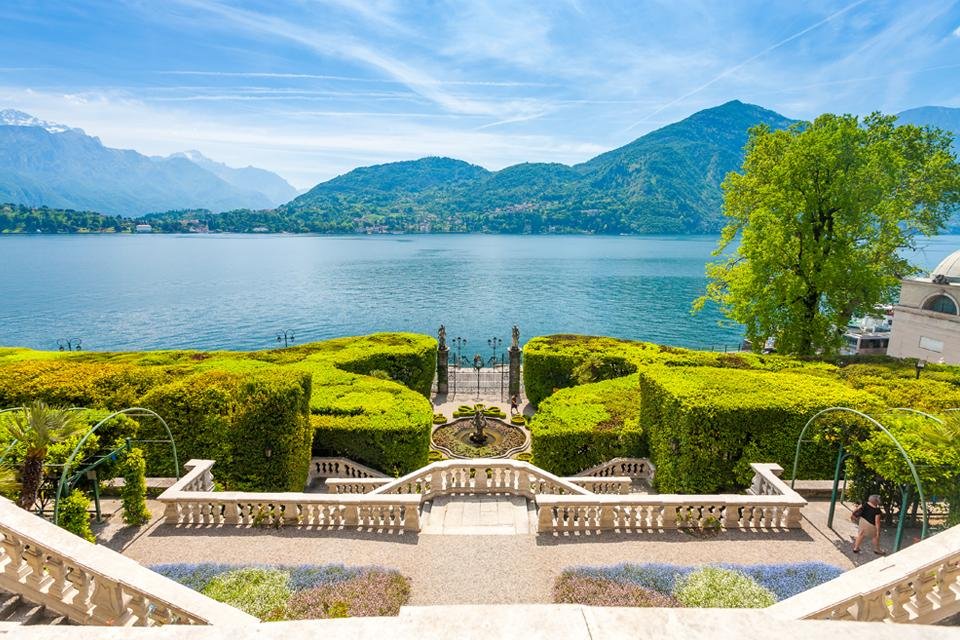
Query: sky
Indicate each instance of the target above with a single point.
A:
(313, 88)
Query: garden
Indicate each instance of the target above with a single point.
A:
(302, 592)
(668, 585)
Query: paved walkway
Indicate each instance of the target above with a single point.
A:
(475, 567)
(479, 515)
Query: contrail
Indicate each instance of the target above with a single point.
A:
(745, 63)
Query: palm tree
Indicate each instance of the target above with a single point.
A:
(38, 426)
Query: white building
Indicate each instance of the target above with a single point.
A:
(926, 322)
(143, 228)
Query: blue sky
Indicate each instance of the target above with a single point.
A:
(313, 88)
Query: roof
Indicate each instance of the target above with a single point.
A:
(948, 268)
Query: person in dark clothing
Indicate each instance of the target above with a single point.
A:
(869, 524)
(514, 405)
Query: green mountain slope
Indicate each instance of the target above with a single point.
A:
(666, 181)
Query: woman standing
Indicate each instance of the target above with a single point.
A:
(869, 524)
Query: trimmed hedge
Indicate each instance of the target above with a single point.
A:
(235, 419)
(134, 491)
(584, 426)
(75, 516)
(233, 406)
(706, 425)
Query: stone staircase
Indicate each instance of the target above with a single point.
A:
(479, 515)
(15, 610)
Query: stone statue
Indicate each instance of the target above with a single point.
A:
(516, 337)
(479, 422)
(442, 338)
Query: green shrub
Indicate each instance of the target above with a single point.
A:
(713, 587)
(235, 419)
(134, 492)
(260, 592)
(74, 515)
(706, 425)
(583, 426)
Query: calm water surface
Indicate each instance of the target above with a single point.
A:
(237, 291)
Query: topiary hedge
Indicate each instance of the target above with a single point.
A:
(706, 425)
(583, 426)
(236, 419)
(234, 406)
(134, 491)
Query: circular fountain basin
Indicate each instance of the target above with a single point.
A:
(502, 439)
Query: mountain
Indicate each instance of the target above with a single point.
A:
(266, 182)
(946, 118)
(666, 181)
(43, 163)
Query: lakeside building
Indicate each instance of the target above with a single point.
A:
(143, 228)
(927, 319)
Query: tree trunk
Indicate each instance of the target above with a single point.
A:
(30, 479)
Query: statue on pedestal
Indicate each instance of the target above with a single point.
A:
(516, 338)
(442, 338)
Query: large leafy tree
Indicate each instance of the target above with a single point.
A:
(37, 427)
(822, 212)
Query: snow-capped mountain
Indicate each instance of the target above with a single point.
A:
(45, 163)
(14, 118)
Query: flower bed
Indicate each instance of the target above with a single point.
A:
(666, 585)
(278, 592)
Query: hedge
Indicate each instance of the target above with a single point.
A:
(236, 419)
(134, 492)
(559, 361)
(233, 406)
(705, 425)
(586, 425)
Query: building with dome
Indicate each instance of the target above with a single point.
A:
(926, 322)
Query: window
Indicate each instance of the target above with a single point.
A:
(941, 304)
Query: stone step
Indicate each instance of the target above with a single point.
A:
(15, 610)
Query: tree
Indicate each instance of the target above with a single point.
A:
(822, 212)
(38, 426)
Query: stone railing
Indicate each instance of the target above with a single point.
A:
(920, 584)
(507, 477)
(90, 584)
(640, 513)
(190, 502)
(639, 468)
(358, 485)
(603, 485)
(339, 468)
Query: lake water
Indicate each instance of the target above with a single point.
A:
(238, 291)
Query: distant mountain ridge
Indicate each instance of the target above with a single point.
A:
(44, 163)
(666, 181)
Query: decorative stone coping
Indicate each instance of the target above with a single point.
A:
(532, 622)
(339, 468)
(90, 584)
(639, 468)
(920, 584)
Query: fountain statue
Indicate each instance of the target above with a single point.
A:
(479, 423)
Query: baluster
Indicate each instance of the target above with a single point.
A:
(947, 582)
(110, 603)
(872, 607)
(923, 586)
(668, 517)
(35, 578)
(140, 609)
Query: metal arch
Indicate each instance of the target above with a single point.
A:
(906, 457)
(130, 411)
(13, 443)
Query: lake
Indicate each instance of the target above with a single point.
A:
(131, 292)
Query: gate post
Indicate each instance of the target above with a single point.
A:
(443, 362)
(515, 352)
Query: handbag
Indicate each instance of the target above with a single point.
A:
(855, 516)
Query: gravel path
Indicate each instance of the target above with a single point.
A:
(467, 569)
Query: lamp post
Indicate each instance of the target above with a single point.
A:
(919, 366)
(69, 344)
(494, 343)
(477, 365)
(286, 337)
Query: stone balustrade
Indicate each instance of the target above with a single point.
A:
(90, 584)
(604, 484)
(490, 476)
(190, 502)
(354, 485)
(339, 468)
(920, 584)
(639, 468)
(641, 513)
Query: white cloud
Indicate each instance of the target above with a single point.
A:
(956, 32)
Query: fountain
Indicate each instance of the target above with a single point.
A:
(478, 434)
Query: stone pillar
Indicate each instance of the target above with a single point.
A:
(443, 372)
(514, 384)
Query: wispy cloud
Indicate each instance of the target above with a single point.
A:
(314, 76)
(731, 70)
